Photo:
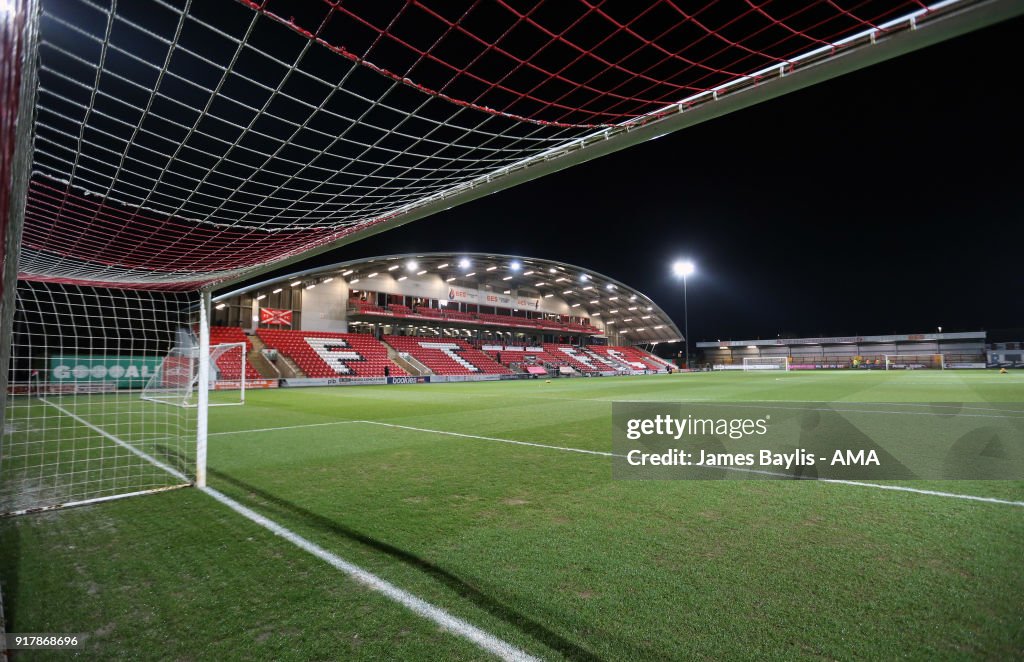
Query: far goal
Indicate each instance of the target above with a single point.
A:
(915, 362)
(752, 363)
(176, 380)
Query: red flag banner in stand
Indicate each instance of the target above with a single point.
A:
(275, 316)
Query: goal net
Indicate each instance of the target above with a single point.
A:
(754, 363)
(915, 362)
(138, 167)
(75, 429)
(175, 381)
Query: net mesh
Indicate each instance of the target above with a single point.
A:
(915, 362)
(179, 143)
(75, 428)
(753, 363)
(176, 379)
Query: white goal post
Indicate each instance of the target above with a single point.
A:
(176, 379)
(915, 362)
(751, 363)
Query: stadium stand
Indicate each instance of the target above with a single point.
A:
(523, 356)
(631, 357)
(364, 308)
(327, 354)
(229, 363)
(490, 319)
(574, 358)
(594, 359)
(447, 356)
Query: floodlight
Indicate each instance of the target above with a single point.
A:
(464, 263)
(683, 268)
(411, 265)
(514, 265)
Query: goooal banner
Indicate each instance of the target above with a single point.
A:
(125, 371)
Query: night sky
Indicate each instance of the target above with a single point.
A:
(888, 200)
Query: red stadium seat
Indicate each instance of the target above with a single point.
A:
(447, 356)
(353, 355)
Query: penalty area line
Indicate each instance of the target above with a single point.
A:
(834, 481)
(283, 427)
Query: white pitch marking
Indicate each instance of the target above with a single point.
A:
(283, 427)
(504, 441)
(488, 642)
(145, 456)
(457, 626)
(896, 488)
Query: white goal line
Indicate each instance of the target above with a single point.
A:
(123, 444)
(457, 626)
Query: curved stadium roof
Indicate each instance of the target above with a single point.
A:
(627, 315)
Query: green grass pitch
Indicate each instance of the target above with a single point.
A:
(539, 547)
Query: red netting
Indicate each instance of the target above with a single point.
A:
(577, 62)
(166, 252)
(178, 145)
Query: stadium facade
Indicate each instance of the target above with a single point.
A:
(483, 296)
(442, 317)
(966, 349)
